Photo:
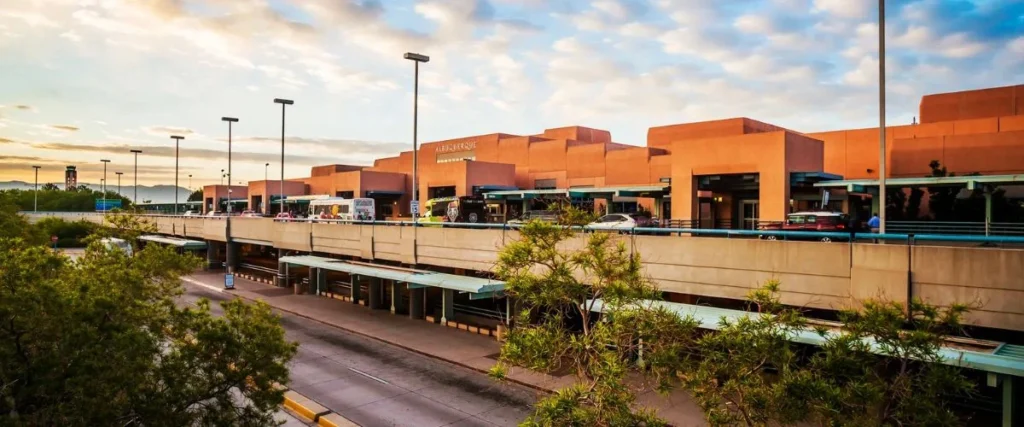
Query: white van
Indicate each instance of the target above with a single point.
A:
(362, 209)
(115, 243)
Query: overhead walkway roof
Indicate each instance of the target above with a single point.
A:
(478, 288)
(1004, 358)
(174, 241)
(657, 190)
(948, 181)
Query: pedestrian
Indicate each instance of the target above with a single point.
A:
(874, 222)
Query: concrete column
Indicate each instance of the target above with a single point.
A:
(232, 256)
(394, 295)
(416, 297)
(321, 281)
(312, 280)
(354, 288)
(375, 293)
(282, 271)
(988, 211)
(447, 305)
(211, 255)
(1010, 411)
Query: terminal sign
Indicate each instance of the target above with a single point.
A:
(456, 147)
(414, 207)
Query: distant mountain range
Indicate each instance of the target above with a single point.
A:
(156, 193)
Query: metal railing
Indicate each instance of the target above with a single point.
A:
(955, 227)
(1000, 233)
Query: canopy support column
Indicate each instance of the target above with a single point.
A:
(353, 290)
(447, 305)
(416, 297)
(376, 293)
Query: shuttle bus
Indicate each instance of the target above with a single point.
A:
(471, 209)
(361, 209)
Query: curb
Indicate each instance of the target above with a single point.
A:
(310, 411)
(450, 362)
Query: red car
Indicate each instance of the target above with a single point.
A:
(835, 222)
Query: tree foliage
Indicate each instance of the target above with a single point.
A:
(196, 196)
(53, 199)
(557, 279)
(748, 371)
(101, 341)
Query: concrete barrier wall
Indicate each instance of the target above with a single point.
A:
(813, 274)
(991, 278)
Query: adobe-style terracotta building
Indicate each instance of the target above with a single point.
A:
(721, 173)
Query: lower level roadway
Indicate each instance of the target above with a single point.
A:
(376, 384)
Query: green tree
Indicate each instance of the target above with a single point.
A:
(70, 234)
(101, 341)
(15, 225)
(749, 372)
(196, 196)
(906, 383)
(556, 278)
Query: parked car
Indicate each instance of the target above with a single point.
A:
(623, 223)
(190, 213)
(836, 222)
(545, 216)
(215, 213)
(284, 215)
(250, 214)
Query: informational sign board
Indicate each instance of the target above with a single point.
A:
(824, 199)
(229, 281)
(414, 207)
(103, 205)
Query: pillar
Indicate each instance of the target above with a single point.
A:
(394, 295)
(988, 210)
(321, 281)
(211, 255)
(231, 258)
(1010, 411)
(282, 270)
(447, 305)
(416, 297)
(375, 293)
(353, 292)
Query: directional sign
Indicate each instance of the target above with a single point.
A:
(229, 281)
(53, 239)
(414, 207)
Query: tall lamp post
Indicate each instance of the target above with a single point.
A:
(881, 116)
(105, 161)
(118, 182)
(227, 227)
(416, 59)
(284, 103)
(35, 195)
(177, 141)
(190, 184)
(135, 200)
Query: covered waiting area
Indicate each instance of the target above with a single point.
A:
(1003, 363)
(415, 280)
(658, 192)
(986, 183)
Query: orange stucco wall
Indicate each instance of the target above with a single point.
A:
(973, 104)
(216, 192)
(260, 188)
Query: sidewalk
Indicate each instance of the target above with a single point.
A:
(473, 351)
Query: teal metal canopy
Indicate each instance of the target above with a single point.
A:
(949, 181)
(1004, 358)
(812, 177)
(174, 241)
(478, 287)
(524, 194)
(655, 191)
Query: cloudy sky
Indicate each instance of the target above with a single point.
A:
(84, 80)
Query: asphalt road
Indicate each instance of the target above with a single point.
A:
(377, 384)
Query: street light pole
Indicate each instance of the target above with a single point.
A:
(136, 198)
(35, 195)
(105, 161)
(227, 227)
(118, 182)
(177, 140)
(416, 59)
(284, 103)
(222, 177)
(881, 117)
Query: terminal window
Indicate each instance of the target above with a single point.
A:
(457, 156)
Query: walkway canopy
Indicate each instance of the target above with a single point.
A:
(971, 182)
(174, 241)
(525, 194)
(652, 191)
(990, 357)
(478, 288)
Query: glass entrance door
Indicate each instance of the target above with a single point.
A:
(749, 212)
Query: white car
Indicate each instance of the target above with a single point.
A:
(614, 222)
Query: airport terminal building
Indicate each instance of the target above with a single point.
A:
(728, 173)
